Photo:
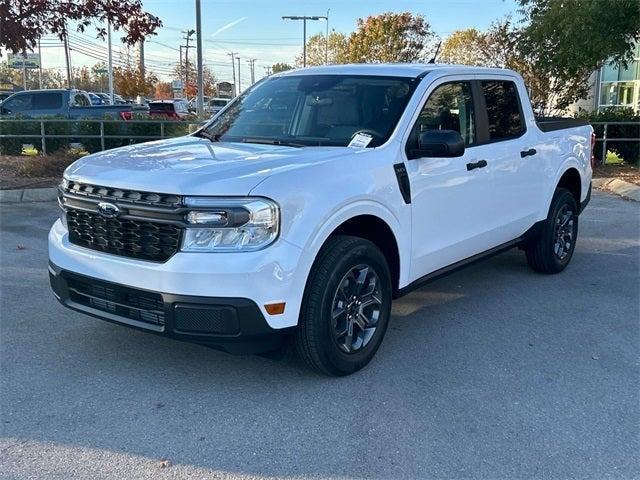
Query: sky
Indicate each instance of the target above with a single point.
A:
(255, 30)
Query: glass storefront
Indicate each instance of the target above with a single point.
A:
(620, 86)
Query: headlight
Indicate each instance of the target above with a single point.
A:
(230, 224)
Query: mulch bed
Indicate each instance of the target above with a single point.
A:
(12, 178)
(628, 173)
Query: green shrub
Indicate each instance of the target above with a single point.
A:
(13, 146)
(92, 127)
(56, 128)
(628, 151)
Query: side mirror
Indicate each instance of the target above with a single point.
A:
(439, 143)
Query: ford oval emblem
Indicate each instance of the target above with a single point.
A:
(108, 210)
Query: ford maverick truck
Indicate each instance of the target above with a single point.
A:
(309, 202)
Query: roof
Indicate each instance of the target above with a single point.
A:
(411, 70)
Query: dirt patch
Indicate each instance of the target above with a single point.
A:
(628, 173)
(32, 172)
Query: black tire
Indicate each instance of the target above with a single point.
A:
(331, 280)
(552, 250)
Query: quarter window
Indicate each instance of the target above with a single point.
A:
(503, 109)
(449, 107)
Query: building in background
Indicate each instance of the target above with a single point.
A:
(613, 86)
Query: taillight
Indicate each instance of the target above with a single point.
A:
(126, 115)
(593, 149)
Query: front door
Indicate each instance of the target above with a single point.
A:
(449, 195)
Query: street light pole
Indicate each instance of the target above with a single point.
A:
(233, 69)
(326, 40)
(239, 78)
(200, 98)
(304, 32)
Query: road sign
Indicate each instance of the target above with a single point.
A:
(32, 60)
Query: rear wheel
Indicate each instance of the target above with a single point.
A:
(346, 306)
(551, 252)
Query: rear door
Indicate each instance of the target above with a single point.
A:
(514, 171)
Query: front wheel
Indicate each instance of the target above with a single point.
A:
(552, 250)
(346, 306)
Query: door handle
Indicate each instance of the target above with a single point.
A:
(528, 153)
(478, 164)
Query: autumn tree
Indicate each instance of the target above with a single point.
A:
(51, 78)
(280, 67)
(317, 52)
(163, 91)
(390, 37)
(465, 47)
(23, 22)
(129, 82)
(189, 75)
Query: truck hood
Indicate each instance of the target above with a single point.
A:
(195, 166)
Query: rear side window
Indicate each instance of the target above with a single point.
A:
(47, 101)
(503, 109)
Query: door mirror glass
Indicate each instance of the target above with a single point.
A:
(439, 143)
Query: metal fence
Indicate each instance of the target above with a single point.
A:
(604, 137)
(102, 136)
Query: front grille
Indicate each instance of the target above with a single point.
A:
(148, 226)
(101, 193)
(122, 301)
(144, 240)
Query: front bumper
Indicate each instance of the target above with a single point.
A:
(234, 325)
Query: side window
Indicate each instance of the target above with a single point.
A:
(503, 109)
(21, 103)
(449, 107)
(47, 101)
(79, 100)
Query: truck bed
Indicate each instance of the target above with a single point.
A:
(550, 124)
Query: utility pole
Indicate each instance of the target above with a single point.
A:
(239, 78)
(187, 37)
(39, 65)
(181, 70)
(141, 58)
(67, 60)
(268, 70)
(110, 63)
(24, 69)
(233, 69)
(304, 32)
(252, 62)
(326, 40)
(200, 98)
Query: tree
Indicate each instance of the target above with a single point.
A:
(465, 47)
(316, 53)
(25, 21)
(190, 73)
(390, 37)
(163, 91)
(280, 67)
(129, 82)
(568, 39)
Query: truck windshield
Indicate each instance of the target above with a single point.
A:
(315, 110)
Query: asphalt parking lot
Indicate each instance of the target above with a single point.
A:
(493, 372)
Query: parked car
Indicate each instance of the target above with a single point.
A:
(312, 201)
(60, 102)
(172, 109)
(106, 98)
(214, 105)
(95, 99)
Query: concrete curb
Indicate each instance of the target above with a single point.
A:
(23, 195)
(619, 187)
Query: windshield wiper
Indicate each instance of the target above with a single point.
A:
(207, 135)
(271, 141)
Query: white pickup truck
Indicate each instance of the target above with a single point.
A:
(311, 201)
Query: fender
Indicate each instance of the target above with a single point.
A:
(569, 163)
(353, 209)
